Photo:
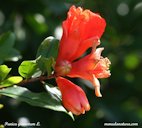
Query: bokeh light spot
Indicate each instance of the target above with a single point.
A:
(39, 18)
(100, 114)
(1, 106)
(23, 120)
(122, 9)
(131, 61)
(138, 6)
(58, 32)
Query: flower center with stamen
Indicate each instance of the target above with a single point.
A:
(63, 68)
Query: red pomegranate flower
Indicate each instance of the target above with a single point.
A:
(81, 30)
(91, 67)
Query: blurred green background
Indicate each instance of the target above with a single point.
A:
(34, 20)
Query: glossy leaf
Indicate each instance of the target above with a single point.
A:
(38, 73)
(44, 100)
(48, 48)
(27, 68)
(11, 81)
(45, 64)
(6, 47)
(53, 90)
(14, 55)
(4, 70)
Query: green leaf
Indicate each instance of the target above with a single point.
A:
(45, 64)
(38, 73)
(7, 51)
(7, 40)
(14, 55)
(11, 81)
(44, 100)
(37, 23)
(27, 68)
(48, 48)
(4, 70)
(55, 92)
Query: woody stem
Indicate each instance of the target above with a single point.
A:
(41, 78)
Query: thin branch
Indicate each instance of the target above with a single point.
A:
(41, 78)
(26, 81)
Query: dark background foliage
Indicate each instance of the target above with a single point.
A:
(34, 20)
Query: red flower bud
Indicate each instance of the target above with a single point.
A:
(73, 97)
